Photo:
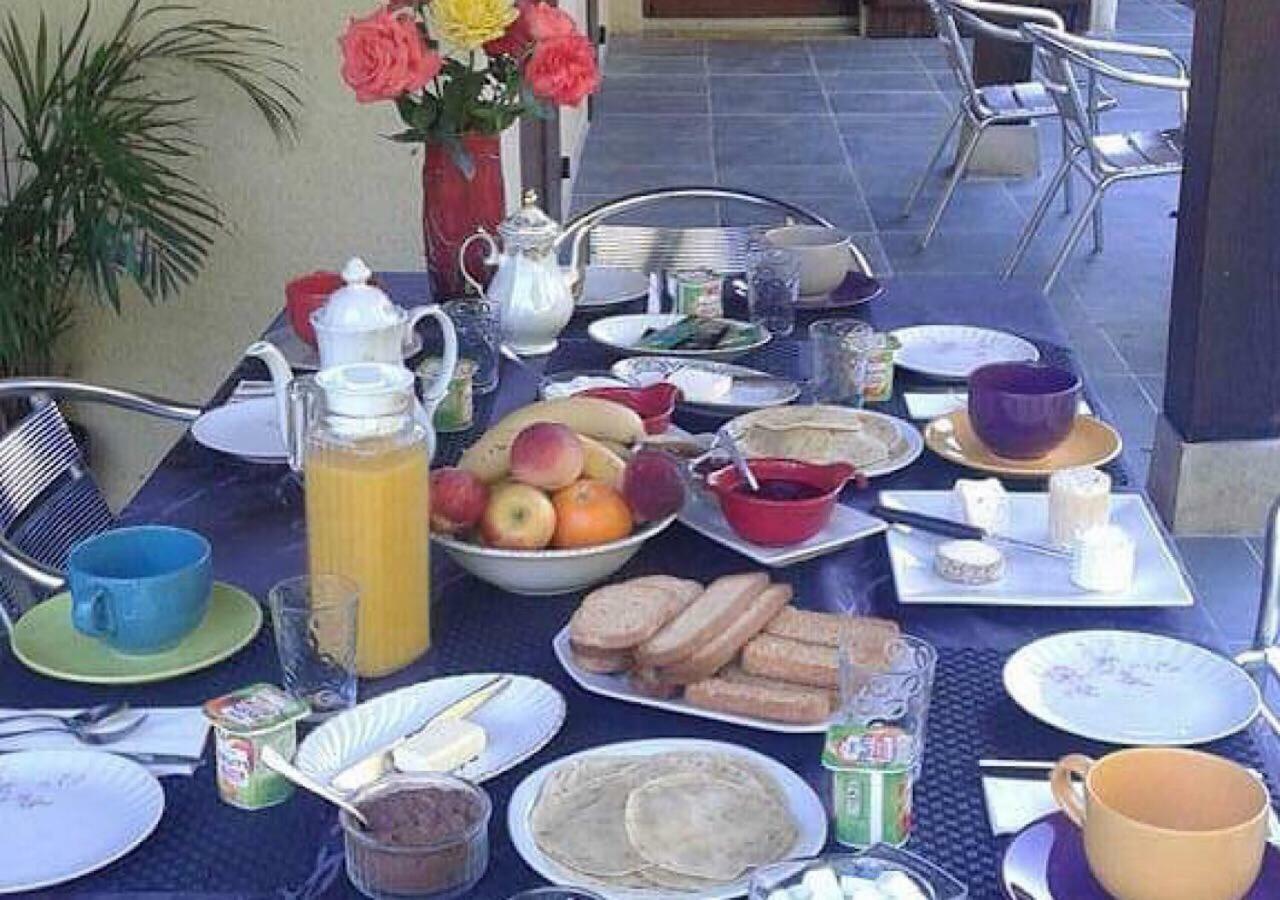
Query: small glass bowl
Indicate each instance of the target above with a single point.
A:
(933, 882)
(440, 870)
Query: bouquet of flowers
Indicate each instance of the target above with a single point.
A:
(457, 67)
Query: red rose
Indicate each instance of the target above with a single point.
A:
(563, 69)
(385, 55)
(546, 22)
(518, 37)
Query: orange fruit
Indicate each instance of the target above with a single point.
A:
(589, 512)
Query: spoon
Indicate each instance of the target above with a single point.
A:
(85, 717)
(273, 759)
(105, 731)
(739, 461)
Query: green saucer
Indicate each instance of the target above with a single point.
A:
(45, 640)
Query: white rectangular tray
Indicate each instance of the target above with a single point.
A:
(702, 514)
(1032, 579)
(616, 687)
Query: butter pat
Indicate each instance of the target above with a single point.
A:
(701, 386)
(441, 747)
(983, 503)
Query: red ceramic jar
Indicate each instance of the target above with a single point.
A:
(654, 404)
(795, 502)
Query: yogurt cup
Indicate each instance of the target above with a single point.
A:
(244, 723)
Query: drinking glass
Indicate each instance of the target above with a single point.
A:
(476, 323)
(841, 351)
(887, 684)
(314, 619)
(773, 287)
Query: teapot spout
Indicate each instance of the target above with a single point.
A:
(281, 378)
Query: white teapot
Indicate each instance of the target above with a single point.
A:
(529, 289)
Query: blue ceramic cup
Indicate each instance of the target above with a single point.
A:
(142, 589)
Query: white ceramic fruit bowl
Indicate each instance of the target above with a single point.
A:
(542, 572)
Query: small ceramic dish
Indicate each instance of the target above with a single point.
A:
(795, 500)
(654, 404)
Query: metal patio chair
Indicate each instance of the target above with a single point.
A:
(591, 238)
(1102, 158)
(48, 498)
(982, 107)
(1263, 659)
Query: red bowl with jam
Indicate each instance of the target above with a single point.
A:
(654, 404)
(795, 500)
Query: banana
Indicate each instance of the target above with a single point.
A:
(490, 457)
(601, 463)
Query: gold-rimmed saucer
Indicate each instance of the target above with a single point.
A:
(1091, 442)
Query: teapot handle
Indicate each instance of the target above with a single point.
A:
(432, 395)
(490, 258)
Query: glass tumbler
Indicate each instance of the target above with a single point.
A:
(314, 619)
(476, 323)
(841, 351)
(888, 682)
(773, 287)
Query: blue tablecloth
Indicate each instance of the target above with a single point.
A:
(253, 516)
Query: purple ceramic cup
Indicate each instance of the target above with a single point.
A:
(1022, 410)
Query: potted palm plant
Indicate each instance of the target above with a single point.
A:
(96, 190)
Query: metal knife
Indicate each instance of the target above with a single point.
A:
(963, 530)
(360, 773)
(138, 756)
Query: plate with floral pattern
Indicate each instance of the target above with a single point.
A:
(1131, 688)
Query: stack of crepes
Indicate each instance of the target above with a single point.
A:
(819, 435)
(680, 821)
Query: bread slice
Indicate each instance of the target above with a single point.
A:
(648, 682)
(724, 600)
(795, 661)
(763, 699)
(619, 616)
(686, 590)
(600, 662)
(825, 628)
(724, 645)
(734, 672)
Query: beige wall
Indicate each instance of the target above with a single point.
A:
(342, 190)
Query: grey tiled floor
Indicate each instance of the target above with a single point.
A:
(844, 126)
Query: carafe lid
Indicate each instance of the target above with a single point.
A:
(528, 228)
(366, 389)
(358, 305)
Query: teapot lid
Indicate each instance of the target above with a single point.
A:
(366, 389)
(358, 305)
(528, 228)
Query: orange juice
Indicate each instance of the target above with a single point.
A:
(367, 505)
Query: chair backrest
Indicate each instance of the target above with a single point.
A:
(1058, 54)
(48, 501)
(722, 249)
(957, 19)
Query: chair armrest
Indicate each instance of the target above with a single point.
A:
(68, 389)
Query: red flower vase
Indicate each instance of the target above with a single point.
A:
(459, 196)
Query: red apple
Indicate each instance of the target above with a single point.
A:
(547, 455)
(458, 500)
(518, 517)
(653, 484)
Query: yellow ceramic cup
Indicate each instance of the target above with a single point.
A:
(1166, 824)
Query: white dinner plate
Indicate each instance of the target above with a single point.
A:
(953, 351)
(518, 722)
(615, 687)
(249, 429)
(609, 286)
(909, 443)
(806, 810)
(751, 388)
(1032, 579)
(302, 357)
(65, 813)
(1131, 688)
(622, 333)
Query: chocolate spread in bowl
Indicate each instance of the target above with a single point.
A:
(421, 840)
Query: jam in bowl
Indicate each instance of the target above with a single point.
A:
(795, 500)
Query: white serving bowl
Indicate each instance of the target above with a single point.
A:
(622, 333)
(824, 255)
(542, 572)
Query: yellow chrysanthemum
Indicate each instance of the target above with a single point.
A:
(467, 24)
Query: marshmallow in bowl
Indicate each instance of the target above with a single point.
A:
(823, 884)
(699, 385)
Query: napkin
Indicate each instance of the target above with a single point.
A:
(172, 730)
(1014, 803)
(931, 405)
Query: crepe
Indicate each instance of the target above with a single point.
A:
(610, 819)
(819, 434)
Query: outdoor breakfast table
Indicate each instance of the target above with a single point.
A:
(253, 516)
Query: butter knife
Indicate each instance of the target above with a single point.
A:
(368, 769)
(963, 530)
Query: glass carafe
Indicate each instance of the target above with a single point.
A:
(365, 462)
